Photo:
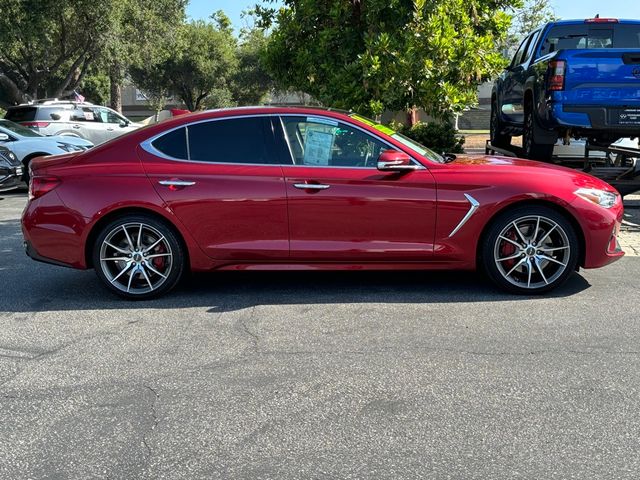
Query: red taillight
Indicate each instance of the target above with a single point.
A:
(601, 20)
(35, 124)
(38, 186)
(557, 71)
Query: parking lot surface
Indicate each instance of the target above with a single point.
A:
(317, 375)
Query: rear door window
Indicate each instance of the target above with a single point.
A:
(21, 114)
(237, 140)
(85, 114)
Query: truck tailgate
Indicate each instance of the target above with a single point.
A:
(602, 77)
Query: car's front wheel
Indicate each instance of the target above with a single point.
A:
(138, 257)
(530, 250)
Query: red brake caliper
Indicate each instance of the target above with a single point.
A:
(159, 262)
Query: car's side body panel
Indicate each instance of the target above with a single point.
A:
(364, 215)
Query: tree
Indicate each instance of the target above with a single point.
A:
(44, 51)
(140, 30)
(48, 46)
(387, 54)
(252, 82)
(203, 63)
(525, 19)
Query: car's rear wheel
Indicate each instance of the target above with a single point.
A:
(138, 257)
(530, 250)
(498, 139)
(532, 143)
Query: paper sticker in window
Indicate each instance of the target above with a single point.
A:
(88, 115)
(318, 145)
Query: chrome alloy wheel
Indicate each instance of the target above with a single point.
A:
(532, 252)
(136, 258)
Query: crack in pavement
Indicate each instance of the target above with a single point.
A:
(245, 328)
(154, 417)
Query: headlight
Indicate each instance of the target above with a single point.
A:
(67, 147)
(599, 197)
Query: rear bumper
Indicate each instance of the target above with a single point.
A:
(597, 119)
(34, 255)
(52, 233)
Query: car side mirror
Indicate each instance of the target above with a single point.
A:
(124, 123)
(4, 137)
(395, 161)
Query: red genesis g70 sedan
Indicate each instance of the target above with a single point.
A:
(301, 188)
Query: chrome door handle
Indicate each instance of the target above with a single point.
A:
(311, 186)
(176, 183)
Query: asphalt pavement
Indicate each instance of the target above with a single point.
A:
(316, 375)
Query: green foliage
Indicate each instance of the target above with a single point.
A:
(95, 88)
(387, 54)
(204, 62)
(44, 53)
(526, 18)
(48, 46)
(252, 82)
(438, 136)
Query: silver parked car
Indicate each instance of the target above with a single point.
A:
(64, 117)
(27, 144)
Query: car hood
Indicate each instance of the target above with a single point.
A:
(80, 142)
(497, 165)
(497, 161)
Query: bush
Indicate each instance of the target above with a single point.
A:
(439, 137)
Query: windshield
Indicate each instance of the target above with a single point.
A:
(406, 141)
(18, 129)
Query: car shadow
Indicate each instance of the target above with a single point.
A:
(28, 286)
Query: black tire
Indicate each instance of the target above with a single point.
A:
(25, 164)
(498, 139)
(532, 143)
(522, 270)
(144, 270)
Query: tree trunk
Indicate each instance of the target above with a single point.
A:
(12, 93)
(115, 79)
(412, 116)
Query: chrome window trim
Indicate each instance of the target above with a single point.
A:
(186, 141)
(147, 145)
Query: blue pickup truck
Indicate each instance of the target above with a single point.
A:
(570, 79)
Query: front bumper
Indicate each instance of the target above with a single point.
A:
(601, 236)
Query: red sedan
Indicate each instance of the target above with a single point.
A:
(302, 188)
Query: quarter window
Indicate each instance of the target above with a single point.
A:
(324, 142)
(173, 144)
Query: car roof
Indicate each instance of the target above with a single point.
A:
(582, 21)
(49, 104)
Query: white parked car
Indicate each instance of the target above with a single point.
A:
(78, 119)
(576, 149)
(27, 144)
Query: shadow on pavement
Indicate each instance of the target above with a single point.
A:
(29, 286)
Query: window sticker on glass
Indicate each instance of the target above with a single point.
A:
(88, 116)
(324, 121)
(318, 145)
